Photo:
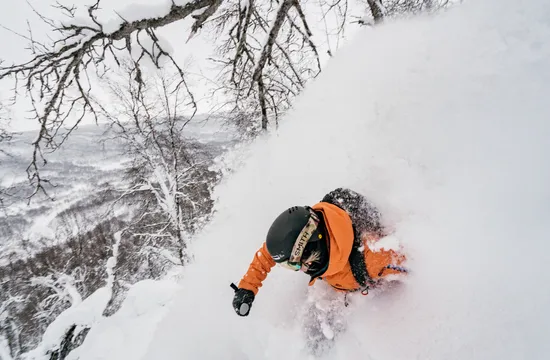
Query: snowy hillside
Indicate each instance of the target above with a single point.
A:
(441, 121)
(84, 173)
(81, 172)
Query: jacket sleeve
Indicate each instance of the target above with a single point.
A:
(257, 271)
(364, 215)
(383, 263)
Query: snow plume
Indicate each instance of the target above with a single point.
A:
(443, 123)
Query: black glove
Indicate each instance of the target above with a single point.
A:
(242, 301)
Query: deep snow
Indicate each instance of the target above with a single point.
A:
(443, 122)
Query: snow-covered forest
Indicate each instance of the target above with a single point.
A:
(146, 147)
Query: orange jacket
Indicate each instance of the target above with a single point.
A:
(338, 273)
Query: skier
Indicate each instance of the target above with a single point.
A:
(328, 241)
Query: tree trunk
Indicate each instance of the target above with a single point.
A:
(376, 10)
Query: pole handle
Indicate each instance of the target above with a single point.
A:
(234, 287)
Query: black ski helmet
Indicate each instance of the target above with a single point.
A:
(284, 232)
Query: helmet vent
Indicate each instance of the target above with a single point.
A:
(292, 209)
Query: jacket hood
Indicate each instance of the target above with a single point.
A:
(340, 232)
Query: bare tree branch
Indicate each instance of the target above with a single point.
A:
(56, 72)
(279, 18)
(267, 57)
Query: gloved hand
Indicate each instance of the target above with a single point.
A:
(242, 301)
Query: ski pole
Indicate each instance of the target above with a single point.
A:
(234, 287)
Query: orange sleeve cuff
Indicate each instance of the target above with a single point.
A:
(257, 271)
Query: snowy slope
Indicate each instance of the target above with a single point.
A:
(443, 122)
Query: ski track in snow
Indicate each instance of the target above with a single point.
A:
(441, 121)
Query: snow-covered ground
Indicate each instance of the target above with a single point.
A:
(90, 163)
(441, 121)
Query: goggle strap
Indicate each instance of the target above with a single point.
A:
(303, 238)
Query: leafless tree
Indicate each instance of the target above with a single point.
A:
(9, 331)
(396, 7)
(5, 137)
(50, 279)
(381, 9)
(377, 10)
(168, 177)
(64, 287)
(5, 134)
(265, 64)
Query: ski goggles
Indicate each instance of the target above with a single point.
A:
(291, 266)
(294, 263)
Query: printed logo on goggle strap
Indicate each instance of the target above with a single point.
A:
(303, 238)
